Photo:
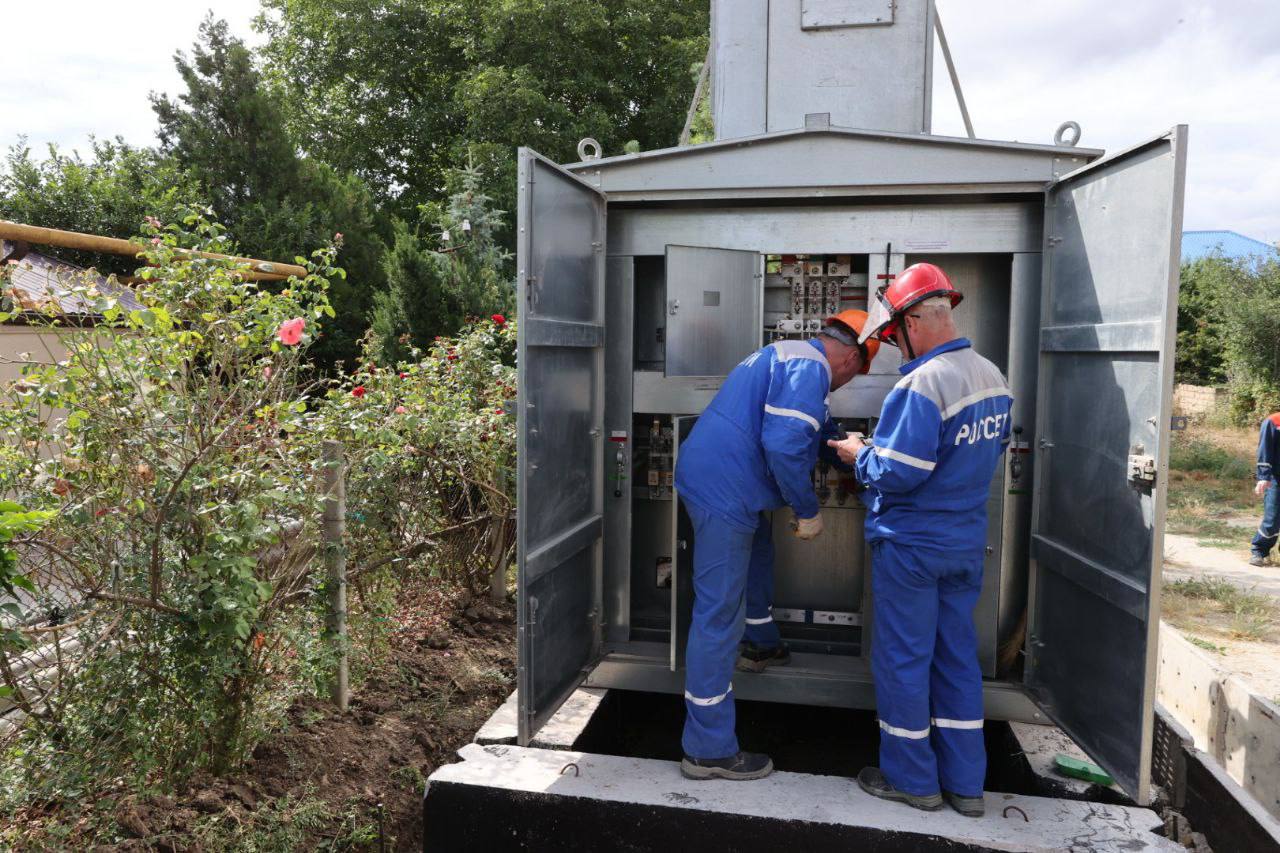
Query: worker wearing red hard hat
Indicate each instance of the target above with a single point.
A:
(762, 645)
(928, 472)
(752, 451)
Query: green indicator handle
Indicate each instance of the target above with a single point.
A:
(1077, 769)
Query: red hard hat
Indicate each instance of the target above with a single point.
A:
(912, 286)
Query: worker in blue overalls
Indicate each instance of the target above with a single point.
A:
(928, 473)
(753, 450)
(1268, 458)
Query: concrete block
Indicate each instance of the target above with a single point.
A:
(537, 799)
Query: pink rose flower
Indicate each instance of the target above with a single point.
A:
(400, 410)
(290, 331)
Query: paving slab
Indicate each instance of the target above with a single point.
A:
(560, 732)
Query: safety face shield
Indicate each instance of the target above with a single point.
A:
(879, 319)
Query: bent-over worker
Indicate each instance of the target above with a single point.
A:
(753, 450)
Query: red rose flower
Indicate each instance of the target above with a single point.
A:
(404, 376)
(290, 331)
(498, 320)
(357, 391)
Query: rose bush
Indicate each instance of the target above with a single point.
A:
(430, 450)
(168, 448)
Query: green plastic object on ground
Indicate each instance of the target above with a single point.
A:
(1077, 769)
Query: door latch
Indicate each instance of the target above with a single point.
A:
(1142, 469)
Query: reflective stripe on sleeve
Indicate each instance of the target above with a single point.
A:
(714, 700)
(764, 621)
(889, 453)
(975, 397)
(957, 724)
(793, 413)
(913, 734)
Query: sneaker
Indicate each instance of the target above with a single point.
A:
(740, 767)
(1255, 560)
(755, 658)
(967, 806)
(873, 782)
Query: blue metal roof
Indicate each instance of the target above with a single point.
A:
(1228, 244)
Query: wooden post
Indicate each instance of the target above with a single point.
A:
(498, 557)
(335, 562)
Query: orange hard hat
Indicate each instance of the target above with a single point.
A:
(855, 321)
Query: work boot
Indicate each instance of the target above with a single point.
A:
(1257, 560)
(873, 782)
(740, 767)
(967, 806)
(755, 658)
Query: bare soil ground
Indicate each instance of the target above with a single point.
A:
(331, 781)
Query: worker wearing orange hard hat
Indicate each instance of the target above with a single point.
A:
(762, 645)
(752, 451)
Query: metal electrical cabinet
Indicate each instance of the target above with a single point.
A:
(645, 278)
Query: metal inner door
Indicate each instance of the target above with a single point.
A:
(714, 299)
(1112, 240)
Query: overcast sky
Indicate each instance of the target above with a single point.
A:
(1124, 69)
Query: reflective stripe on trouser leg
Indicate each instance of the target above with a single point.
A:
(955, 680)
(761, 629)
(905, 602)
(1269, 530)
(721, 553)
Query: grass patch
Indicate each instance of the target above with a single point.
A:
(1200, 454)
(1251, 615)
(1206, 645)
(288, 823)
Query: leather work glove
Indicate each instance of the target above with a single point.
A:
(1261, 488)
(808, 528)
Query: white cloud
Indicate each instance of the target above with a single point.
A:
(75, 68)
(1127, 71)
(1124, 69)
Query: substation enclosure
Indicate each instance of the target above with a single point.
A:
(644, 279)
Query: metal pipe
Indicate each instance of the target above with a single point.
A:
(258, 270)
(698, 91)
(955, 78)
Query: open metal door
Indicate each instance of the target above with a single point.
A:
(714, 303)
(1111, 262)
(681, 554)
(560, 450)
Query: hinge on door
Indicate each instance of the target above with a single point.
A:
(530, 284)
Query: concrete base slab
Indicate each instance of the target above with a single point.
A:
(1040, 745)
(509, 798)
(560, 732)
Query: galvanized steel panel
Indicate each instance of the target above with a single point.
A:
(1111, 276)
(713, 309)
(619, 360)
(739, 74)
(936, 228)
(816, 14)
(867, 77)
(832, 162)
(559, 442)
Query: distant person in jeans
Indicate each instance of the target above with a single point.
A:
(1268, 450)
